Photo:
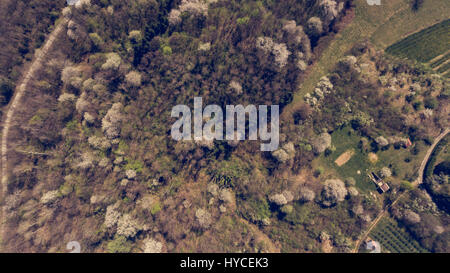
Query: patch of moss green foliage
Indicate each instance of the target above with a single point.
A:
(135, 165)
(119, 245)
(155, 208)
(300, 214)
(254, 209)
(226, 173)
(72, 125)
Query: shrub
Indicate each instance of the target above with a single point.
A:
(96, 40)
(430, 103)
(119, 245)
(134, 78)
(155, 208)
(405, 185)
(167, 50)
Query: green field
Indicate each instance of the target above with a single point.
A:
(395, 239)
(347, 139)
(424, 45)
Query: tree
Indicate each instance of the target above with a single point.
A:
(49, 197)
(282, 198)
(279, 52)
(127, 226)
(112, 120)
(411, 217)
(314, 27)
(321, 143)
(382, 141)
(152, 246)
(203, 218)
(385, 172)
(134, 79)
(334, 191)
(113, 61)
(417, 4)
(306, 194)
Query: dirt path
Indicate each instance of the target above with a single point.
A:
(427, 156)
(415, 183)
(18, 94)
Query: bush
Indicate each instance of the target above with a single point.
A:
(167, 50)
(430, 103)
(119, 245)
(254, 210)
(6, 91)
(405, 185)
(319, 171)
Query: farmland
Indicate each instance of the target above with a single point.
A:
(424, 45)
(395, 239)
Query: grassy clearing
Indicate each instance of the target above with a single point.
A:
(424, 45)
(395, 239)
(344, 140)
(402, 161)
(382, 25)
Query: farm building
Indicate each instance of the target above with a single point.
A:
(381, 185)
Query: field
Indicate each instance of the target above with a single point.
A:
(394, 239)
(357, 167)
(383, 25)
(425, 45)
(346, 139)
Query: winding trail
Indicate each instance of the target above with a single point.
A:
(428, 154)
(418, 181)
(18, 94)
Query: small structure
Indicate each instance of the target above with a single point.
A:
(373, 246)
(381, 185)
(408, 143)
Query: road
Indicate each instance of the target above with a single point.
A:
(16, 100)
(418, 181)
